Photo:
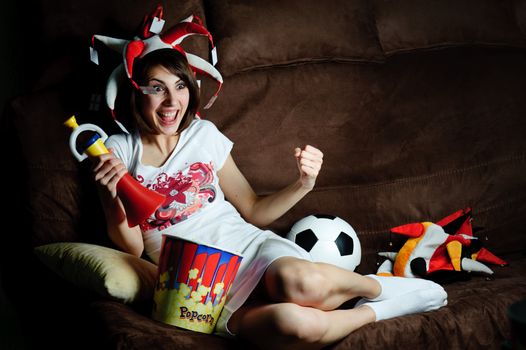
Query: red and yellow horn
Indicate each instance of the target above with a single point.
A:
(138, 201)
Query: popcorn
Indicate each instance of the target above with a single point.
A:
(193, 274)
(193, 299)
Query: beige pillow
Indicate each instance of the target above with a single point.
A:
(108, 272)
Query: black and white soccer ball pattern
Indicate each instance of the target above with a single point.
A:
(328, 239)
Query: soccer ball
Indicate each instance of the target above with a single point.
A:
(328, 239)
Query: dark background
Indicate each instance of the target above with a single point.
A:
(15, 24)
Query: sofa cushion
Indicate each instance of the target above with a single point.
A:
(267, 33)
(108, 272)
(409, 24)
(520, 14)
(125, 328)
(409, 140)
(67, 27)
(64, 18)
(62, 203)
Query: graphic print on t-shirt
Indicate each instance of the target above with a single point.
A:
(186, 193)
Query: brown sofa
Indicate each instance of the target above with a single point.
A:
(419, 107)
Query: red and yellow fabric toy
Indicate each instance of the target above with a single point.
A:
(444, 251)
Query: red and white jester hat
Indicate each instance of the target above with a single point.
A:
(150, 40)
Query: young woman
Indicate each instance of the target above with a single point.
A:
(189, 160)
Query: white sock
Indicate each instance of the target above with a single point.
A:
(416, 301)
(395, 286)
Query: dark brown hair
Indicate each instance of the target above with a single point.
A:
(176, 63)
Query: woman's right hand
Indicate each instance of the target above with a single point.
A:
(108, 171)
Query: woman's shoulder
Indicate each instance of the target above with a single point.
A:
(203, 123)
(122, 141)
(121, 137)
(202, 126)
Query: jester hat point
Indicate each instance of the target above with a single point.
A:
(150, 40)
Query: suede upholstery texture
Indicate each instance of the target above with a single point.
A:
(418, 106)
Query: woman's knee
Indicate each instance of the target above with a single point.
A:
(296, 280)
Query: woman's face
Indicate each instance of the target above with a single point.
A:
(165, 102)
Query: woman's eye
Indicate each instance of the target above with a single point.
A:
(180, 86)
(158, 88)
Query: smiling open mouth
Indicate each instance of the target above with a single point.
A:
(168, 117)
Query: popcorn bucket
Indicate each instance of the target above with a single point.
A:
(192, 285)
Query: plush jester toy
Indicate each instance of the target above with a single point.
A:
(444, 252)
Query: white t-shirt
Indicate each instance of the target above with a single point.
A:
(196, 209)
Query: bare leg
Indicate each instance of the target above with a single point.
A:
(319, 285)
(326, 286)
(291, 326)
(307, 294)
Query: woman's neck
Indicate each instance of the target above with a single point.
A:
(158, 148)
